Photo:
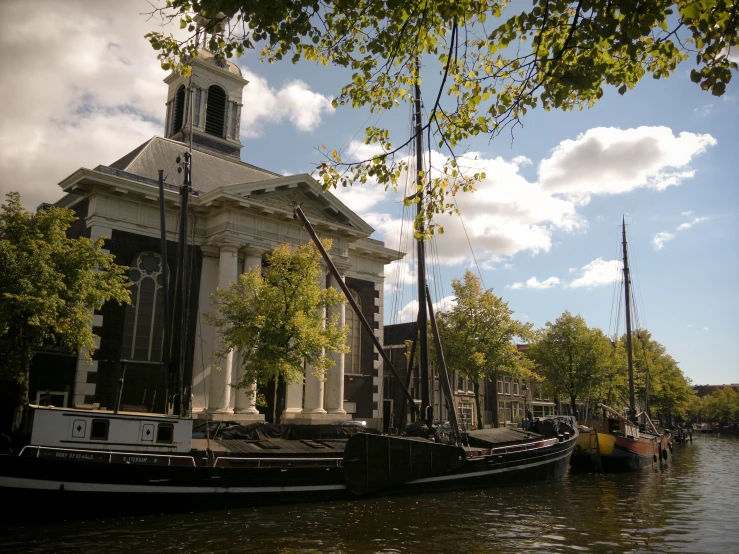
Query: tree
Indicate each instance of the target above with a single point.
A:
(494, 65)
(669, 389)
(478, 335)
(571, 357)
(50, 285)
(722, 405)
(276, 316)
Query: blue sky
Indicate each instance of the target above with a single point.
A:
(545, 221)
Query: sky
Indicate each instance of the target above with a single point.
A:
(81, 87)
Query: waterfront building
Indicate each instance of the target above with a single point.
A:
(238, 213)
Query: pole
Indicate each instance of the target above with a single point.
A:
(426, 412)
(165, 276)
(632, 403)
(181, 288)
(119, 395)
(367, 327)
(443, 374)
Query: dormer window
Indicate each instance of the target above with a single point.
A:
(179, 109)
(215, 112)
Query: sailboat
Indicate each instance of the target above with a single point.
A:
(615, 442)
(95, 461)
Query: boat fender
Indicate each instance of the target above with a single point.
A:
(655, 458)
(664, 453)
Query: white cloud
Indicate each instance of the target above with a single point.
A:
(660, 239)
(82, 87)
(399, 273)
(688, 213)
(534, 283)
(704, 110)
(689, 224)
(607, 160)
(409, 312)
(597, 273)
(294, 102)
(509, 214)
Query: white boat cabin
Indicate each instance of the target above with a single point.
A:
(106, 430)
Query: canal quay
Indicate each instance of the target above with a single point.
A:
(688, 507)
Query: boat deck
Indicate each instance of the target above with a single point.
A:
(501, 436)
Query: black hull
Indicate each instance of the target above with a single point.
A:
(621, 461)
(63, 488)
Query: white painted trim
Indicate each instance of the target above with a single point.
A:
(489, 472)
(43, 484)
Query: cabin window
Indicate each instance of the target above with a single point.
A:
(99, 430)
(165, 433)
(353, 358)
(143, 333)
(215, 111)
(179, 109)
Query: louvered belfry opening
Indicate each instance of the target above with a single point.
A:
(179, 109)
(215, 111)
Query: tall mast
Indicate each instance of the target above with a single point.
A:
(421, 255)
(627, 293)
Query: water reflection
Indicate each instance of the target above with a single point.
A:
(688, 507)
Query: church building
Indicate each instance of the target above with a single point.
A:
(238, 213)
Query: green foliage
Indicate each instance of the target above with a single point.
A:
(494, 65)
(276, 317)
(669, 389)
(722, 406)
(571, 357)
(479, 331)
(49, 285)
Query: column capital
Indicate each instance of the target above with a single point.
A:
(255, 249)
(227, 246)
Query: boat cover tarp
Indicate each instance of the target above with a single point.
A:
(262, 431)
(375, 462)
(279, 447)
(490, 438)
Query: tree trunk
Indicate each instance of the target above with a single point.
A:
(573, 406)
(476, 387)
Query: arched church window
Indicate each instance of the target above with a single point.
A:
(142, 327)
(179, 109)
(353, 358)
(215, 111)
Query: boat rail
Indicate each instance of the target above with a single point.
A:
(226, 461)
(105, 456)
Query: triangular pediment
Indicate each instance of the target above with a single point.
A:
(282, 193)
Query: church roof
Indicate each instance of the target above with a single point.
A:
(209, 170)
(208, 56)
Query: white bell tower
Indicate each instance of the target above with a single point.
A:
(206, 107)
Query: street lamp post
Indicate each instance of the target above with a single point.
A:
(525, 391)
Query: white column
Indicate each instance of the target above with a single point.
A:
(293, 401)
(314, 385)
(244, 401)
(220, 381)
(334, 400)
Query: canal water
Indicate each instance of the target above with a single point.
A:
(691, 506)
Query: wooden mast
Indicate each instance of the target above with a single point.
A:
(629, 353)
(423, 346)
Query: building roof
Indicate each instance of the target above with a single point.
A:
(209, 170)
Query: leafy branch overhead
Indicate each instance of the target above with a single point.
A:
(495, 65)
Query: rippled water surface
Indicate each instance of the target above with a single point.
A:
(688, 507)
